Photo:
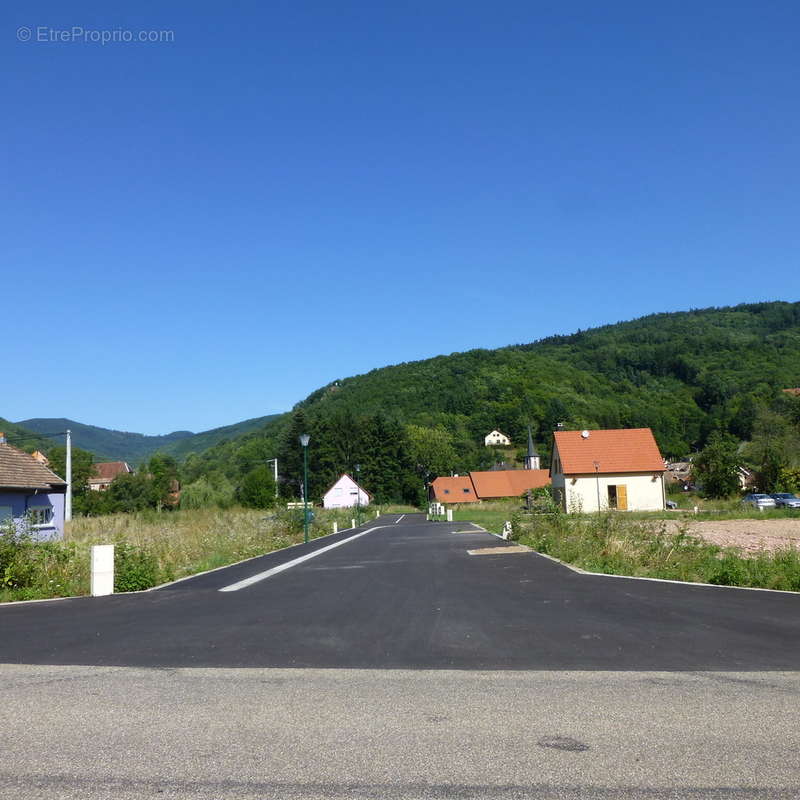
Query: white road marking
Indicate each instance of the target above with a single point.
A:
(398, 520)
(234, 587)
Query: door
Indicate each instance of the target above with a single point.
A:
(622, 497)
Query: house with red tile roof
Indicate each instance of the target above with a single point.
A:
(105, 472)
(608, 469)
(795, 392)
(457, 489)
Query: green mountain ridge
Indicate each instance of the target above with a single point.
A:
(113, 445)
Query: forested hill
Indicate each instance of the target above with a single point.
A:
(107, 444)
(682, 374)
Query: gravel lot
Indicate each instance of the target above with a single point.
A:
(751, 535)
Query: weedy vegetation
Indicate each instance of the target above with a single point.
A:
(151, 547)
(618, 544)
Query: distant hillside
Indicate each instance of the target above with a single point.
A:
(134, 448)
(683, 374)
(23, 438)
(107, 444)
(200, 442)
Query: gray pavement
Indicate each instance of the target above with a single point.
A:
(398, 666)
(93, 732)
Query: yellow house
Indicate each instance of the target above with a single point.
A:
(608, 469)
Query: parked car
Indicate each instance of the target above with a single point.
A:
(786, 500)
(759, 501)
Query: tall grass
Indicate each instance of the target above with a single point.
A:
(153, 548)
(622, 545)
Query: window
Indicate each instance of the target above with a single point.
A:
(42, 515)
(447, 491)
(466, 491)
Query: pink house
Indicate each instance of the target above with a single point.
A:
(346, 493)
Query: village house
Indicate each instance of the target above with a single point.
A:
(608, 469)
(492, 484)
(346, 493)
(105, 472)
(496, 439)
(31, 495)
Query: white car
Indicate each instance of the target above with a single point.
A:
(786, 500)
(759, 501)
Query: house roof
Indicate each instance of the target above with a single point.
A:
(19, 470)
(795, 392)
(458, 489)
(508, 482)
(108, 470)
(345, 475)
(615, 451)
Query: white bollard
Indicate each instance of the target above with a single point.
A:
(102, 569)
(449, 514)
(377, 514)
(353, 522)
(335, 526)
(695, 509)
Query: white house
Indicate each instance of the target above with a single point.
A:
(610, 469)
(346, 493)
(496, 438)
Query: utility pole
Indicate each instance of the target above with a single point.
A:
(68, 498)
(274, 462)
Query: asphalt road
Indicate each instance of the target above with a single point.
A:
(395, 665)
(408, 596)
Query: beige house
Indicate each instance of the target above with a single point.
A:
(608, 469)
(495, 438)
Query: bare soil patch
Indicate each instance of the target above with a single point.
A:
(750, 535)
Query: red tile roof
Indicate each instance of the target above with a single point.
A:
(108, 470)
(454, 490)
(19, 470)
(508, 482)
(795, 392)
(627, 450)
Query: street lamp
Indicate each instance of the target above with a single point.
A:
(304, 440)
(597, 479)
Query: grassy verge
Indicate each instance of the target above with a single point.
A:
(153, 548)
(491, 516)
(622, 545)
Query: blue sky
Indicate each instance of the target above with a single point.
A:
(200, 231)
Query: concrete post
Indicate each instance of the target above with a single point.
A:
(353, 522)
(335, 526)
(102, 569)
(449, 514)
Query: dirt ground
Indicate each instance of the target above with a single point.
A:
(751, 535)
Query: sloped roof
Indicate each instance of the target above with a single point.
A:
(795, 392)
(508, 482)
(351, 480)
(454, 490)
(615, 451)
(19, 470)
(108, 470)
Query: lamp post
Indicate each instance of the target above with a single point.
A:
(304, 440)
(597, 480)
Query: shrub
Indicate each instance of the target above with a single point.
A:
(135, 568)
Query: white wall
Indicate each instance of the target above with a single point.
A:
(345, 494)
(644, 493)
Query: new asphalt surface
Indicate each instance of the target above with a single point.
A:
(407, 595)
(396, 665)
